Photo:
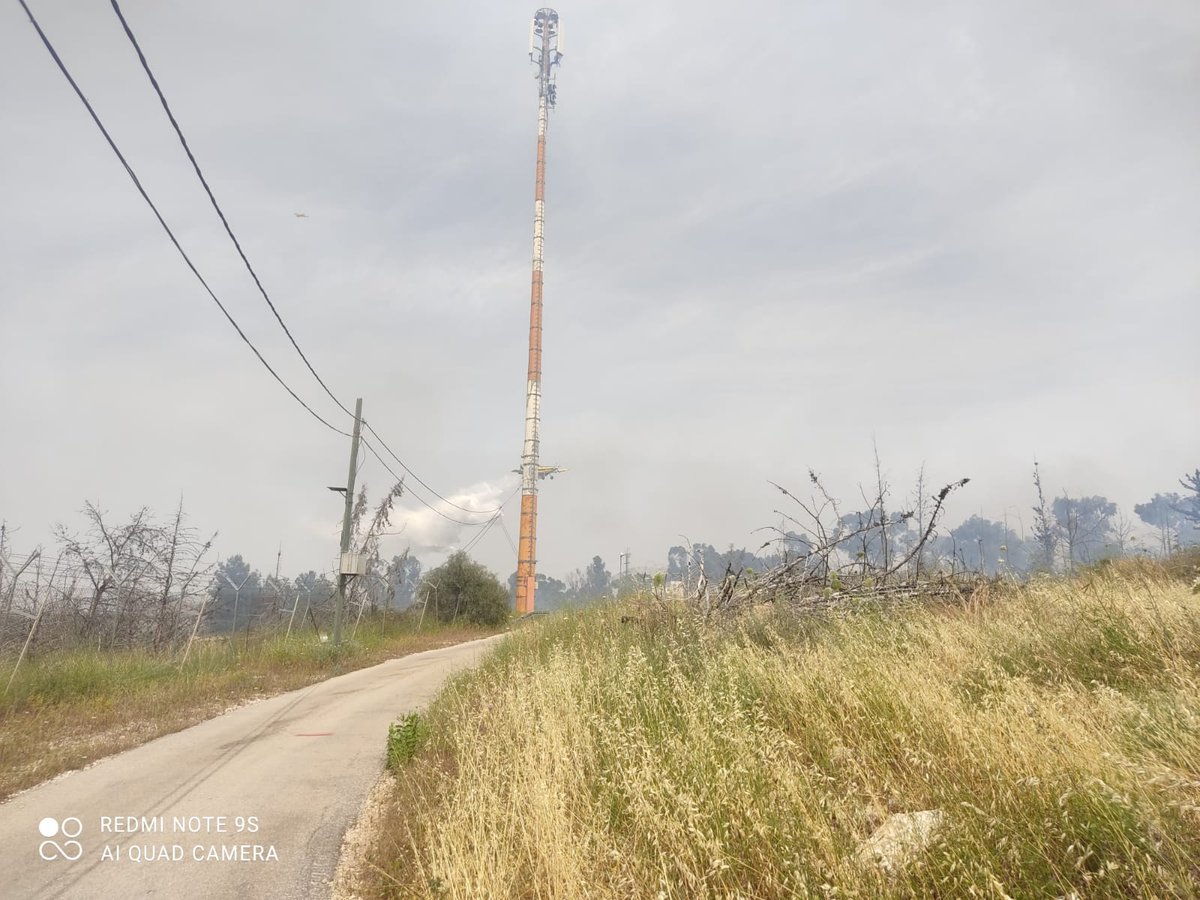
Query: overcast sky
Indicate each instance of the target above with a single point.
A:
(776, 232)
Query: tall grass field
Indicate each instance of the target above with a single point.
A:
(1053, 729)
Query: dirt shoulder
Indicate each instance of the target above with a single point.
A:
(356, 878)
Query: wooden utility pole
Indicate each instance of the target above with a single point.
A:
(343, 576)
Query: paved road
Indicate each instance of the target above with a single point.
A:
(290, 772)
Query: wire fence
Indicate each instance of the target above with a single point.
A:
(144, 601)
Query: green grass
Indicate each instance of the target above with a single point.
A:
(65, 709)
(1056, 726)
(405, 738)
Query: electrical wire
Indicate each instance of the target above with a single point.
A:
(498, 517)
(362, 459)
(216, 206)
(161, 221)
(471, 544)
(418, 478)
(508, 536)
(254, 275)
(422, 500)
(241, 253)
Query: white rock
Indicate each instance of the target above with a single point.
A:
(900, 838)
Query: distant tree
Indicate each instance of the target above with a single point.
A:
(575, 583)
(1123, 537)
(677, 563)
(1189, 506)
(403, 576)
(705, 558)
(596, 579)
(1085, 525)
(871, 539)
(550, 593)
(738, 559)
(682, 563)
(237, 570)
(313, 592)
(714, 564)
(1162, 513)
(320, 586)
(919, 504)
(461, 588)
(1045, 533)
(276, 593)
(984, 545)
(233, 608)
(786, 547)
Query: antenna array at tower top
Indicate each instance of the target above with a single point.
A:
(545, 50)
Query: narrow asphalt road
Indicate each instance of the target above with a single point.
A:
(252, 804)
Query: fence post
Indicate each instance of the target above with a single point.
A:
(28, 639)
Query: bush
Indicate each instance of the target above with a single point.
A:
(405, 738)
(461, 588)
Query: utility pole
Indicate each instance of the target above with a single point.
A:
(278, 562)
(545, 52)
(343, 575)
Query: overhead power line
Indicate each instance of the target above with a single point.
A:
(417, 478)
(421, 499)
(498, 517)
(216, 206)
(245, 260)
(161, 221)
(479, 535)
(508, 537)
(241, 253)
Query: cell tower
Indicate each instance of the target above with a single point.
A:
(545, 51)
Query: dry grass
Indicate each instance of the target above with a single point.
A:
(67, 709)
(1057, 726)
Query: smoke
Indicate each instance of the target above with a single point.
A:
(423, 529)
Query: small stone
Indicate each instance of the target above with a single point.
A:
(900, 838)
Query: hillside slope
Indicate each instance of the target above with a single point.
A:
(1052, 732)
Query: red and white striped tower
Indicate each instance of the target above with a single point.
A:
(545, 51)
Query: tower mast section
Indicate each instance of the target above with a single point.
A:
(545, 53)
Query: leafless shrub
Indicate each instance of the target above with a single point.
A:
(111, 585)
(371, 589)
(871, 553)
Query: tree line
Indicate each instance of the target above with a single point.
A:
(1054, 534)
(151, 582)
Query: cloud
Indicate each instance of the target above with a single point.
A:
(772, 233)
